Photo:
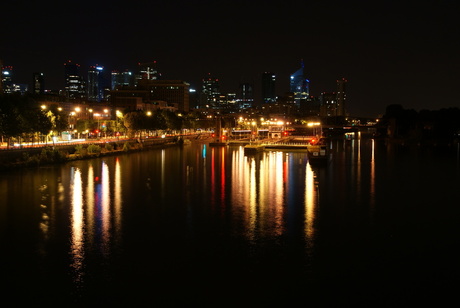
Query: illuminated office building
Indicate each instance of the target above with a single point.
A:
(74, 83)
(300, 85)
(246, 96)
(121, 79)
(210, 92)
(147, 71)
(95, 85)
(38, 83)
(7, 79)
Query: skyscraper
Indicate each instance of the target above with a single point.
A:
(74, 83)
(210, 92)
(95, 83)
(268, 87)
(148, 71)
(121, 79)
(38, 83)
(328, 104)
(341, 97)
(299, 84)
(246, 95)
(7, 79)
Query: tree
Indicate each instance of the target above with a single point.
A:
(133, 121)
(59, 120)
(171, 120)
(9, 117)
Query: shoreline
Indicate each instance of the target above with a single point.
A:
(48, 155)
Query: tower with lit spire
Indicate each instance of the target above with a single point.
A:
(299, 84)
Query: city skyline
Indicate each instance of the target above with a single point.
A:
(391, 53)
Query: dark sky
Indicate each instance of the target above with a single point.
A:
(391, 52)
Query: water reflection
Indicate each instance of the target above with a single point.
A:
(310, 203)
(270, 221)
(77, 240)
(93, 211)
(268, 196)
(265, 191)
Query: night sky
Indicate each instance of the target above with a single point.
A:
(391, 52)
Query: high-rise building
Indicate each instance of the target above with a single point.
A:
(7, 79)
(328, 104)
(268, 87)
(300, 85)
(341, 97)
(210, 92)
(121, 79)
(74, 83)
(148, 71)
(246, 95)
(96, 84)
(38, 82)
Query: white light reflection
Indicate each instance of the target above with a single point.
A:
(90, 204)
(252, 198)
(105, 205)
(240, 189)
(279, 178)
(273, 176)
(117, 197)
(222, 178)
(372, 188)
(77, 226)
(310, 203)
(258, 188)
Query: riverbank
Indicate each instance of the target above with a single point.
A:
(47, 155)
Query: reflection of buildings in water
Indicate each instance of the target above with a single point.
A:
(260, 185)
(359, 152)
(91, 214)
(372, 181)
(311, 200)
(90, 201)
(104, 207)
(117, 197)
(77, 226)
(218, 174)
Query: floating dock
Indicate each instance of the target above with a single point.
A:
(253, 148)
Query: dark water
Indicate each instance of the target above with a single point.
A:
(198, 225)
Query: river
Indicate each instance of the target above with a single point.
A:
(378, 226)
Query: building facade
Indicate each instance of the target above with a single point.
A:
(175, 94)
(74, 83)
(121, 79)
(148, 71)
(268, 88)
(210, 92)
(95, 84)
(7, 79)
(38, 82)
(246, 96)
(299, 84)
(342, 97)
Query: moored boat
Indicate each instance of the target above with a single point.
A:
(317, 153)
